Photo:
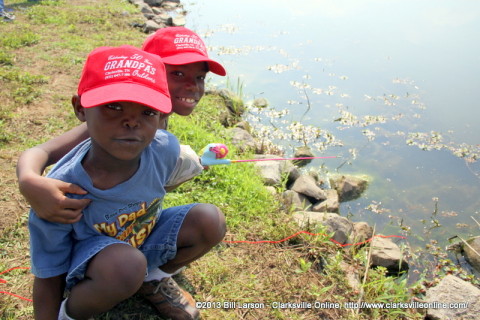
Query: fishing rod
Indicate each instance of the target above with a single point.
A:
(215, 153)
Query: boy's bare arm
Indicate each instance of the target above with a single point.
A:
(46, 195)
(47, 297)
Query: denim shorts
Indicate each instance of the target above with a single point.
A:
(158, 248)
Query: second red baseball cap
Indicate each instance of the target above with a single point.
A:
(178, 46)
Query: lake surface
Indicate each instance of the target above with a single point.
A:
(392, 85)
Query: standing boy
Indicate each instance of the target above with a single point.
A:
(123, 232)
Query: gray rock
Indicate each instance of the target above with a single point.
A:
(348, 187)
(472, 251)
(242, 139)
(306, 185)
(270, 172)
(361, 232)
(331, 204)
(145, 9)
(295, 200)
(179, 21)
(233, 102)
(351, 275)
(138, 3)
(244, 125)
(162, 20)
(453, 291)
(271, 189)
(260, 103)
(153, 3)
(170, 5)
(340, 226)
(385, 253)
(302, 152)
(151, 26)
(285, 167)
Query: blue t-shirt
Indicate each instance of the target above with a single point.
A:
(127, 212)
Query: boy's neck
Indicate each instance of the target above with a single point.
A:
(105, 171)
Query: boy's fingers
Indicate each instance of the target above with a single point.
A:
(71, 188)
(75, 204)
(70, 216)
(72, 210)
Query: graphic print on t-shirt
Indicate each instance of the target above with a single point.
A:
(133, 227)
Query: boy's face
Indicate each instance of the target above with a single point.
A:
(121, 130)
(186, 84)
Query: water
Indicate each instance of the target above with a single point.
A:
(414, 65)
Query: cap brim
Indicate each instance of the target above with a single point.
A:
(190, 57)
(127, 92)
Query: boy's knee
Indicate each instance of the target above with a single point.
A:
(211, 220)
(124, 268)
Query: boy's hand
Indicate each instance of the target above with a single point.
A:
(47, 198)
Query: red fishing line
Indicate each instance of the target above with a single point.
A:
(312, 234)
(5, 281)
(231, 241)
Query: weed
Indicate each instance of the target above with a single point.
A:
(6, 59)
(304, 266)
(20, 39)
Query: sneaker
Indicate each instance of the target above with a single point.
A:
(6, 16)
(169, 299)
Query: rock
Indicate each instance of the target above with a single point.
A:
(244, 125)
(472, 251)
(242, 139)
(231, 106)
(137, 2)
(295, 200)
(340, 226)
(351, 275)
(162, 21)
(179, 21)
(233, 102)
(271, 189)
(290, 170)
(385, 253)
(331, 204)
(453, 291)
(170, 5)
(151, 26)
(303, 152)
(162, 13)
(158, 11)
(285, 167)
(270, 172)
(153, 3)
(307, 186)
(145, 9)
(260, 103)
(348, 187)
(361, 232)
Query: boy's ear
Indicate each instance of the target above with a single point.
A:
(78, 109)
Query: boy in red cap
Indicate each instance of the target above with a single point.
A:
(187, 64)
(123, 232)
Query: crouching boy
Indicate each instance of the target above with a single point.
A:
(124, 233)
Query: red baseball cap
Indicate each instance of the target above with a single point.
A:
(178, 46)
(124, 73)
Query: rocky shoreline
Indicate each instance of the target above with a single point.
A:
(160, 14)
(315, 200)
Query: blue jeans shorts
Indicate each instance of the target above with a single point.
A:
(158, 248)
